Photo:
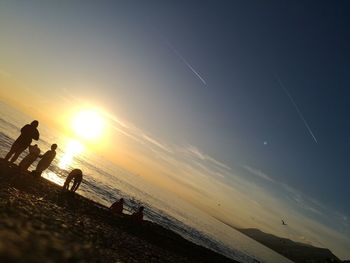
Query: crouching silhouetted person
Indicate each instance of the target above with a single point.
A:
(46, 160)
(117, 207)
(138, 216)
(28, 133)
(77, 176)
(33, 154)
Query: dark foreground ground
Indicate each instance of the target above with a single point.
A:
(41, 223)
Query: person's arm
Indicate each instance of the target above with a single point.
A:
(31, 149)
(36, 135)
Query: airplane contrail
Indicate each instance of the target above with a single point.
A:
(296, 107)
(186, 62)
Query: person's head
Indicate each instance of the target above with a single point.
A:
(141, 208)
(53, 146)
(34, 123)
(78, 171)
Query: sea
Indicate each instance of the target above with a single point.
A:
(105, 182)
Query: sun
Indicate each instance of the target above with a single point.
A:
(88, 124)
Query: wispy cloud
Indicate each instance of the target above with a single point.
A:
(188, 160)
(194, 163)
(197, 153)
(157, 143)
(258, 173)
(301, 200)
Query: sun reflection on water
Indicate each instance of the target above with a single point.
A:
(72, 149)
(53, 178)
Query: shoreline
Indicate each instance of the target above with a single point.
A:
(41, 223)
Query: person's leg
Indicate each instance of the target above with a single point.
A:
(73, 189)
(66, 183)
(18, 151)
(15, 156)
(75, 185)
(38, 170)
(28, 163)
(9, 154)
(13, 149)
(41, 167)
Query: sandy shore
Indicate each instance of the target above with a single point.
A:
(41, 223)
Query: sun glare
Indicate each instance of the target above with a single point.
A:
(88, 124)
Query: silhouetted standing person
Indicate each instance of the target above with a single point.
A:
(46, 160)
(29, 132)
(117, 207)
(77, 176)
(138, 216)
(34, 153)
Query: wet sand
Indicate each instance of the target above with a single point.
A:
(41, 223)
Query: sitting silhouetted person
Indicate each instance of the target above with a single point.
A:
(29, 132)
(138, 216)
(77, 176)
(34, 153)
(46, 160)
(117, 207)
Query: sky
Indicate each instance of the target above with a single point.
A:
(242, 105)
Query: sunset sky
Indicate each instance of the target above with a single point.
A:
(239, 107)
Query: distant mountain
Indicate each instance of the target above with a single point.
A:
(295, 251)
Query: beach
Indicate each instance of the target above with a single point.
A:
(42, 223)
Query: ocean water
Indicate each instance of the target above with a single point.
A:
(104, 182)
